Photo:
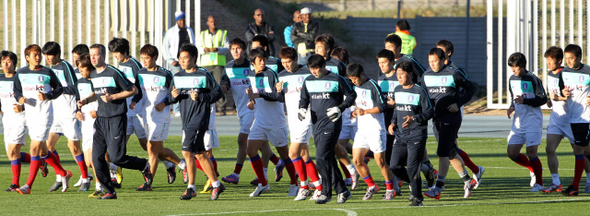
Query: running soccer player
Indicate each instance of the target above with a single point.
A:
(211, 140)
(442, 84)
(576, 80)
(527, 96)
(262, 41)
(412, 110)
(270, 124)
(370, 106)
(291, 80)
(324, 93)
(111, 89)
(449, 49)
(35, 86)
(13, 115)
(195, 89)
(155, 83)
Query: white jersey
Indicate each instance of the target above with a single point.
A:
(368, 97)
(155, 85)
(28, 83)
(293, 82)
(236, 77)
(131, 68)
(558, 113)
(268, 111)
(7, 102)
(66, 102)
(528, 116)
(577, 82)
(85, 89)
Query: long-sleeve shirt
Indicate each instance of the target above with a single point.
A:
(273, 63)
(559, 108)
(235, 77)
(577, 81)
(85, 89)
(7, 102)
(369, 96)
(156, 85)
(388, 85)
(195, 114)
(28, 84)
(443, 89)
(171, 42)
(527, 116)
(66, 102)
(413, 102)
(323, 93)
(130, 69)
(111, 80)
(268, 111)
(293, 82)
(303, 35)
(287, 34)
(253, 30)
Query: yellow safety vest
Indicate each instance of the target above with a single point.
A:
(213, 58)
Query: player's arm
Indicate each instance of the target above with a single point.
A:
(214, 93)
(467, 86)
(18, 92)
(304, 96)
(127, 87)
(137, 97)
(540, 95)
(273, 95)
(56, 86)
(224, 84)
(427, 109)
(378, 101)
(166, 100)
(71, 80)
(350, 94)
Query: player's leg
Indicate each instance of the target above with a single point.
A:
(14, 155)
(72, 131)
(553, 141)
(207, 165)
(99, 150)
(413, 161)
(54, 133)
(475, 170)
(240, 158)
(377, 146)
(359, 151)
(581, 142)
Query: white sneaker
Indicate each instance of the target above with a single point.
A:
(293, 190)
(259, 190)
(587, 189)
(477, 177)
(303, 194)
(316, 195)
(355, 180)
(533, 179)
(79, 182)
(177, 114)
(536, 188)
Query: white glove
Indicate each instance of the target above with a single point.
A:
(302, 113)
(334, 113)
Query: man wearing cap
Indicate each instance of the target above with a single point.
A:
(261, 27)
(213, 45)
(303, 35)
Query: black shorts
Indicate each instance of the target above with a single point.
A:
(446, 134)
(581, 135)
(193, 140)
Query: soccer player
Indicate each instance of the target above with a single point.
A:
(195, 89)
(291, 81)
(412, 110)
(388, 81)
(262, 41)
(35, 86)
(324, 93)
(370, 106)
(64, 121)
(13, 115)
(449, 49)
(111, 89)
(155, 82)
(442, 84)
(576, 80)
(269, 124)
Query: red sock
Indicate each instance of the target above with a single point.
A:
(291, 171)
(258, 167)
(312, 173)
(345, 170)
(538, 170)
(56, 155)
(198, 165)
(82, 165)
(578, 170)
(522, 160)
(25, 157)
(238, 168)
(369, 181)
(474, 168)
(53, 161)
(389, 185)
(15, 165)
(33, 169)
(274, 159)
(300, 168)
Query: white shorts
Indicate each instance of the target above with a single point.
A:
(136, 124)
(211, 139)
(300, 133)
(529, 138)
(69, 127)
(15, 134)
(373, 140)
(348, 132)
(277, 136)
(87, 137)
(246, 122)
(157, 131)
(38, 132)
(562, 130)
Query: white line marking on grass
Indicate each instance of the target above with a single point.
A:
(516, 168)
(349, 212)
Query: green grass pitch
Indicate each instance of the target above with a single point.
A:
(504, 189)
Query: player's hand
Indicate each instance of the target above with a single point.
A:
(224, 88)
(408, 122)
(250, 105)
(587, 100)
(390, 102)
(353, 114)
(279, 86)
(93, 114)
(509, 111)
(107, 98)
(333, 113)
(390, 129)
(519, 99)
(41, 96)
(80, 103)
(79, 116)
(194, 95)
(549, 103)
(175, 63)
(21, 100)
(174, 92)
(301, 114)
(159, 107)
(271, 32)
(132, 105)
(17, 108)
(453, 108)
(566, 92)
(359, 111)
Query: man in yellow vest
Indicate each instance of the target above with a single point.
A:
(408, 41)
(213, 45)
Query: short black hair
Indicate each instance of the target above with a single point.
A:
(101, 48)
(191, 49)
(574, 49)
(341, 54)
(327, 39)
(554, 52)
(51, 48)
(84, 61)
(257, 53)
(438, 52)
(355, 70)
(316, 61)
(403, 25)
(384, 53)
(263, 40)
(120, 45)
(81, 49)
(150, 50)
(406, 66)
(447, 45)
(11, 55)
(239, 42)
(517, 59)
(395, 40)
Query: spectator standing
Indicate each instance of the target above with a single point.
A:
(261, 27)
(303, 35)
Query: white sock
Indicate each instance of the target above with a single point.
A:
(555, 178)
(182, 164)
(351, 169)
(303, 183)
(84, 180)
(237, 175)
(97, 186)
(265, 173)
(216, 184)
(168, 164)
(58, 178)
(191, 186)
